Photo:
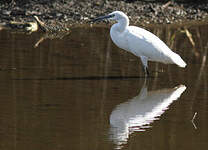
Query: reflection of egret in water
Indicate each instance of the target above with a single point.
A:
(140, 111)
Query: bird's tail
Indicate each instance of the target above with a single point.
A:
(178, 60)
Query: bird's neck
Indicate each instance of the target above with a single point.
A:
(122, 24)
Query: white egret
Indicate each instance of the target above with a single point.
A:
(140, 42)
(140, 112)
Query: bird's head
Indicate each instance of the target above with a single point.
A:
(116, 15)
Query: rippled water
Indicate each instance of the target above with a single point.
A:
(80, 91)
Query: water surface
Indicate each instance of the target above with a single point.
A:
(82, 92)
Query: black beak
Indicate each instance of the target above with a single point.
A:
(101, 18)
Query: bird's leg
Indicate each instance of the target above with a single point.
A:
(147, 74)
(146, 71)
(145, 65)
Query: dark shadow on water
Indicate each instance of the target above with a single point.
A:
(81, 91)
(88, 78)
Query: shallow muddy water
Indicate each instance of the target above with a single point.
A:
(81, 92)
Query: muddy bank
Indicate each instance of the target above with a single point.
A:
(73, 12)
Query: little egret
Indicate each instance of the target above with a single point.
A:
(140, 42)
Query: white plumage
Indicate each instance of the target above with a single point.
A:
(140, 42)
(139, 112)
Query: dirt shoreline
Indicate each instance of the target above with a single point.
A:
(80, 12)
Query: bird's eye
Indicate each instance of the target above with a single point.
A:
(113, 15)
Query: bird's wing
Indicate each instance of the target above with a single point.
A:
(143, 43)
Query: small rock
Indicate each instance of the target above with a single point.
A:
(58, 14)
(6, 12)
(167, 20)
